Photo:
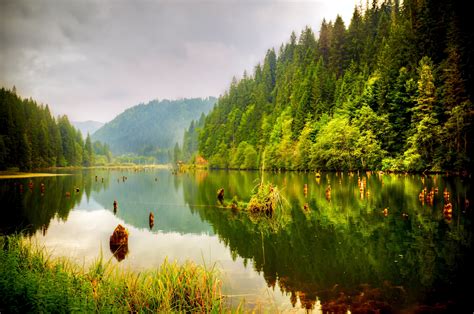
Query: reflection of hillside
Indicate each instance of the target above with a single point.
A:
(141, 194)
(345, 249)
(31, 209)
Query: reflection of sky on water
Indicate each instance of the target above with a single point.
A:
(88, 204)
(86, 233)
(345, 243)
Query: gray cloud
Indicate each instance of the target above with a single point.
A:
(93, 59)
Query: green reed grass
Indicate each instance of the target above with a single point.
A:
(32, 281)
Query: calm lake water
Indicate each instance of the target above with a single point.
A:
(329, 251)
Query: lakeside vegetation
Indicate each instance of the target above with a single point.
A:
(31, 281)
(392, 91)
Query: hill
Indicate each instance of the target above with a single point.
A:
(147, 128)
(393, 91)
(87, 126)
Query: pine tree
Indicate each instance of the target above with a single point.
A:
(426, 136)
(88, 159)
(338, 49)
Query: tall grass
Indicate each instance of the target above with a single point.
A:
(31, 281)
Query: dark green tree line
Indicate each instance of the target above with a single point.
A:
(392, 90)
(30, 137)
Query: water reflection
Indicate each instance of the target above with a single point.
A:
(365, 243)
(358, 241)
(31, 209)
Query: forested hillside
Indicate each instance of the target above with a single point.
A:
(152, 129)
(393, 90)
(30, 137)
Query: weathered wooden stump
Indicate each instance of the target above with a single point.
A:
(119, 242)
(120, 236)
(151, 220)
(220, 196)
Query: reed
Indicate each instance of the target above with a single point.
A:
(32, 281)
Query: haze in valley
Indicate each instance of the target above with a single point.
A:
(93, 59)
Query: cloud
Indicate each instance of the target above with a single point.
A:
(93, 59)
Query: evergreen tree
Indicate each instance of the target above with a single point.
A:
(338, 51)
(426, 130)
(30, 137)
(88, 152)
(356, 98)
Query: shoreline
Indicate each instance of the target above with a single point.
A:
(460, 173)
(23, 175)
(123, 166)
(27, 174)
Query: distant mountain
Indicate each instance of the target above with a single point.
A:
(145, 128)
(87, 126)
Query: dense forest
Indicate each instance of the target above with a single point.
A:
(152, 129)
(393, 90)
(30, 137)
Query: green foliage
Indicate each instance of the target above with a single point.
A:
(244, 157)
(177, 154)
(88, 152)
(397, 83)
(426, 129)
(101, 152)
(335, 146)
(303, 148)
(191, 137)
(30, 137)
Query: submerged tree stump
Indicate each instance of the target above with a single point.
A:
(120, 236)
(220, 196)
(151, 220)
(119, 242)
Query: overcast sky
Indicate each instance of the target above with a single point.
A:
(93, 59)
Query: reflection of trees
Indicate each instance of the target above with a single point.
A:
(33, 209)
(141, 193)
(345, 252)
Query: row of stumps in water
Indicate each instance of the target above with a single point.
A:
(118, 241)
(42, 188)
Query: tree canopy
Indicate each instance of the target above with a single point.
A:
(30, 137)
(392, 90)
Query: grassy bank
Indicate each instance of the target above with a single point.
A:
(31, 281)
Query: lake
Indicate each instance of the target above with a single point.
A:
(375, 241)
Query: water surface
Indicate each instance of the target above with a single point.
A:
(329, 251)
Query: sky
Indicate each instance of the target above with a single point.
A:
(93, 59)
